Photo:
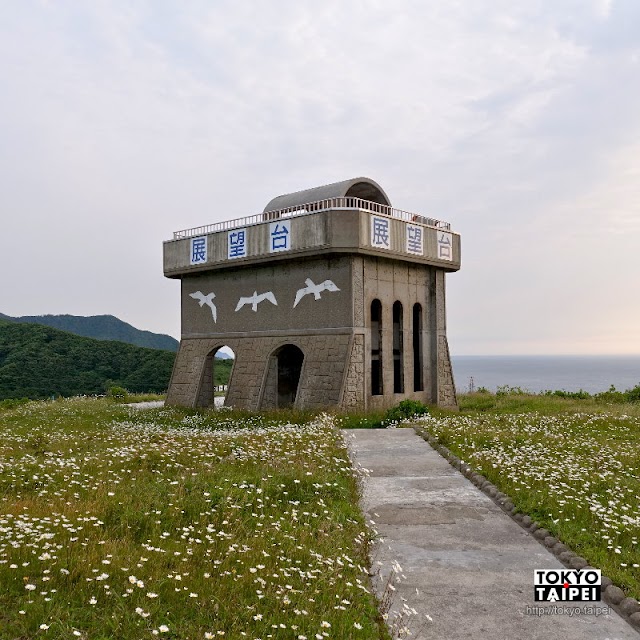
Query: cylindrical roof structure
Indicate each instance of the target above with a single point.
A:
(363, 188)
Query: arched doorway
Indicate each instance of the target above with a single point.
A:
(216, 375)
(290, 359)
(282, 380)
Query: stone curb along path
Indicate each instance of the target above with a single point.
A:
(465, 562)
(627, 607)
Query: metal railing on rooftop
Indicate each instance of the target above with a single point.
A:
(313, 207)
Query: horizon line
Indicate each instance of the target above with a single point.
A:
(545, 355)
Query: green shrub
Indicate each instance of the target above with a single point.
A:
(574, 395)
(378, 420)
(117, 393)
(405, 409)
(633, 395)
(506, 390)
(612, 396)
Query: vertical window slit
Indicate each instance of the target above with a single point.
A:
(398, 349)
(376, 348)
(418, 381)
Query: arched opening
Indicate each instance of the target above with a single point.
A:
(367, 191)
(376, 348)
(216, 375)
(289, 367)
(418, 380)
(398, 355)
(363, 188)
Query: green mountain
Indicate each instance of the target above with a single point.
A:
(101, 328)
(37, 361)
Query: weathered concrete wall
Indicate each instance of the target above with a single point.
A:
(446, 387)
(353, 389)
(329, 232)
(446, 390)
(187, 373)
(253, 380)
(300, 295)
(333, 332)
(270, 386)
(323, 370)
(392, 281)
(206, 393)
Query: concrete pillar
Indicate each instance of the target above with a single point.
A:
(446, 392)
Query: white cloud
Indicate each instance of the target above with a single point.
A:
(121, 124)
(603, 8)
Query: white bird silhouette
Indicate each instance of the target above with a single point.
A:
(316, 289)
(208, 300)
(255, 299)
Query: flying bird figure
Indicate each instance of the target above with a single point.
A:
(256, 299)
(316, 289)
(208, 300)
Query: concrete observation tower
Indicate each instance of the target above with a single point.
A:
(329, 298)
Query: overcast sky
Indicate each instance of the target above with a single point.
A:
(517, 122)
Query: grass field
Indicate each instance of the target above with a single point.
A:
(572, 465)
(121, 523)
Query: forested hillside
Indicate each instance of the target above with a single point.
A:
(38, 361)
(101, 328)
(222, 371)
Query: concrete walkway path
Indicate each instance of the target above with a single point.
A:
(466, 563)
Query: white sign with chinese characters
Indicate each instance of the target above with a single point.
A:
(415, 240)
(280, 236)
(198, 252)
(237, 244)
(445, 246)
(380, 232)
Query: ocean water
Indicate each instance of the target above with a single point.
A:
(539, 373)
